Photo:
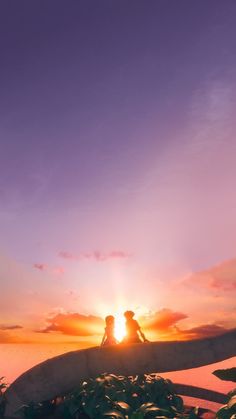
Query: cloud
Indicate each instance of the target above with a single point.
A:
(164, 323)
(74, 324)
(162, 320)
(210, 112)
(10, 327)
(202, 331)
(55, 270)
(95, 255)
(40, 266)
(221, 277)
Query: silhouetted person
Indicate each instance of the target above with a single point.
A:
(108, 337)
(134, 333)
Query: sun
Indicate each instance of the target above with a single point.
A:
(119, 327)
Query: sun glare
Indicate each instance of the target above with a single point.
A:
(119, 327)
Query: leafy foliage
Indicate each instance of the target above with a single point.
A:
(115, 397)
(3, 387)
(227, 375)
(228, 411)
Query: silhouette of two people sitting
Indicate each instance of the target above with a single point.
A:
(134, 333)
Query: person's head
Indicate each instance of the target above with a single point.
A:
(129, 314)
(109, 320)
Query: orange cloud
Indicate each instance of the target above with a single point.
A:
(221, 277)
(95, 255)
(162, 320)
(164, 323)
(74, 324)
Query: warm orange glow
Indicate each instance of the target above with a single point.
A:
(119, 327)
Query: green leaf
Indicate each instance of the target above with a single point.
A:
(194, 413)
(146, 406)
(231, 393)
(113, 414)
(227, 374)
(123, 406)
(223, 413)
(137, 415)
(232, 402)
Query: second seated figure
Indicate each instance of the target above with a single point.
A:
(108, 337)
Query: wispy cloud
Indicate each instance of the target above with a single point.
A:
(55, 270)
(210, 113)
(221, 277)
(10, 327)
(95, 255)
(201, 331)
(40, 266)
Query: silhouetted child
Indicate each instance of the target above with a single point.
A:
(108, 337)
(134, 333)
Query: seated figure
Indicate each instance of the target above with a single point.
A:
(108, 337)
(134, 333)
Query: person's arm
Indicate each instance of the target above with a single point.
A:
(103, 339)
(142, 334)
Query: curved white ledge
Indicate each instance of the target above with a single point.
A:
(62, 374)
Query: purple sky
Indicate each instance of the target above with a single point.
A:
(117, 133)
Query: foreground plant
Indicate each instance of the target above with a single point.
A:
(227, 374)
(115, 397)
(3, 387)
(228, 411)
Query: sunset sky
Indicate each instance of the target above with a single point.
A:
(117, 167)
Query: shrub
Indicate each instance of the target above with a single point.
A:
(115, 397)
(3, 387)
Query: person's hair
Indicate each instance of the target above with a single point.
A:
(109, 319)
(129, 314)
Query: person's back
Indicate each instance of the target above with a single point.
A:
(109, 330)
(109, 338)
(133, 330)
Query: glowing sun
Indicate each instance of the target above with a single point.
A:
(119, 327)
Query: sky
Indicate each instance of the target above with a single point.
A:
(117, 167)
